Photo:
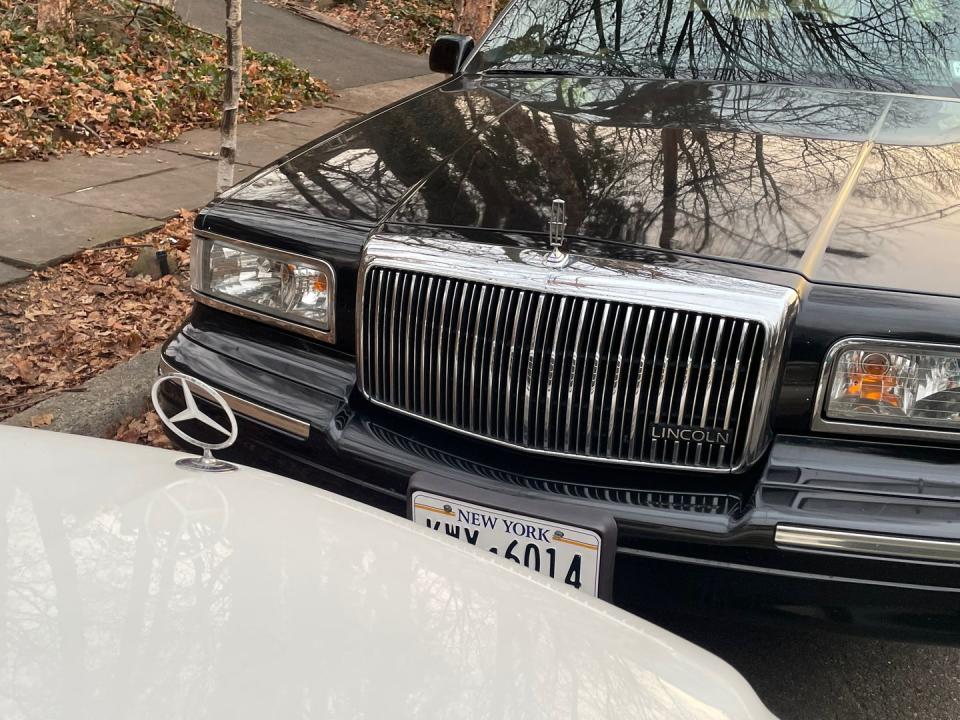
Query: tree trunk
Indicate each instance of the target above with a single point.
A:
(474, 16)
(232, 84)
(53, 16)
(669, 137)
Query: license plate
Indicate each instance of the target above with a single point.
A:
(570, 555)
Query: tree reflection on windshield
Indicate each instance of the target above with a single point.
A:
(888, 45)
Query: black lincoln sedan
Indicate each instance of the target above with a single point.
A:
(659, 299)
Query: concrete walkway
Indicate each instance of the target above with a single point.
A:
(53, 209)
(341, 60)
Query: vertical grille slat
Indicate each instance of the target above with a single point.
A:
(571, 377)
(471, 389)
(615, 393)
(563, 320)
(651, 385)
(743, 396)
(440, 324)
(457, 382)
(530, 361)
(391, 336)
(585, 374)
(701, 363)
(407, 375)
(424, 341)
(491, 387)
(372, 342)
(515, 355)
(550, 330)
(639, 386)
(568, 375)
(594, 378)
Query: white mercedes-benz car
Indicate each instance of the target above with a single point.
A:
(134, 587)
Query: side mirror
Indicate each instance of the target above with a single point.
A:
(449, 52)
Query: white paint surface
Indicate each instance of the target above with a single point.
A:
(132, 589)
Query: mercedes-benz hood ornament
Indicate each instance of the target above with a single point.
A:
(206, 462)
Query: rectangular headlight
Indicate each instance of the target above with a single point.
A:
(890, 383)
(293, 291)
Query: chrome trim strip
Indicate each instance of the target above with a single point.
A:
(661, 288)
(821, 423)
(795, 537)
(248, 409)
(246, 312)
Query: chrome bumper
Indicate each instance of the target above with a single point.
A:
(792, 537)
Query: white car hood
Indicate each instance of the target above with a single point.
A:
(133, 589)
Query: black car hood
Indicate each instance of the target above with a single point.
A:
(840, 186)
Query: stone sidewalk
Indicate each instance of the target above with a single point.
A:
(53, 209)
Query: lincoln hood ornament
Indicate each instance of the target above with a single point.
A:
(206, 462)
(557, 230)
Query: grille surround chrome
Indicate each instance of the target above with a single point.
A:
(662, 287)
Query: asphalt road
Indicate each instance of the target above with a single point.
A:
(824, 676)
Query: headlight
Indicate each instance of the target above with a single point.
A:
(292, 291)
(889, 383)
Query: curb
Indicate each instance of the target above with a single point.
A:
(318, 17)
(105, 401)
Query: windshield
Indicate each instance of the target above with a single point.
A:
(889, 45)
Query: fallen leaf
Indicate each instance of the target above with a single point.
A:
(41, 420)
(145, 430)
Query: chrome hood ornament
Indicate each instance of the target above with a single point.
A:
(206, 462)
(557, 229)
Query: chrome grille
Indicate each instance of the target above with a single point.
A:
(578, 376)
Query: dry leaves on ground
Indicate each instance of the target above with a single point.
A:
(127, 74)
(410, 25)
(144, 430)
(65, 324)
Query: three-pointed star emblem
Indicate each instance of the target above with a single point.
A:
(192, 412)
